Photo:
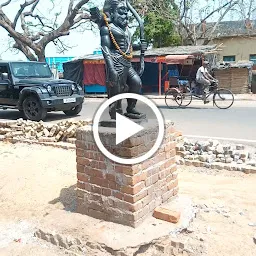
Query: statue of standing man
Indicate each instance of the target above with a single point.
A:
(117, 47)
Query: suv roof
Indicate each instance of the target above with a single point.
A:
(21, 61)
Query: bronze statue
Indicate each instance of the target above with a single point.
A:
(116, 43)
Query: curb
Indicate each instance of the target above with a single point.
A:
(247, 97)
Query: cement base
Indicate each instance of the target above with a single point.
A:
(68, 230)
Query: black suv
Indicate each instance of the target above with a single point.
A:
(30, 87)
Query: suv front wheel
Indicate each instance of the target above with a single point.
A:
(32, 109)
(74, 111)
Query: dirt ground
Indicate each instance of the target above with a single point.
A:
(37, 180)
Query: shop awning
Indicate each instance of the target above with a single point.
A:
(178, 59)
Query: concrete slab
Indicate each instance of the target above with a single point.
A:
(88, 230)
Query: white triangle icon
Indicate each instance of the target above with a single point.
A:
(125, 128)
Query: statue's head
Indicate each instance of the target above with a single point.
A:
(118, 12)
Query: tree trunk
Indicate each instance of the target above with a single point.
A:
(41, 56)
(25, 50)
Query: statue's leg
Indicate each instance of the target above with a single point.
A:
(116, 107)
(113, 108)
(134, 84)
(119, 107)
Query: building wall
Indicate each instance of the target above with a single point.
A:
(238, 46)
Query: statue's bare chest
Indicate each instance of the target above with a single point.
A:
(120, 35)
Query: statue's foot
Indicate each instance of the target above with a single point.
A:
(135, 116)
(133, 111)
(119, 111)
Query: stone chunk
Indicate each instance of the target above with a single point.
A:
(240, 147)
(166, 215)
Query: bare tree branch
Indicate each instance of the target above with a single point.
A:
(207, 40)
(5, 3)
(22, 8)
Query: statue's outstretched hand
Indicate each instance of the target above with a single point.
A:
(95, 14)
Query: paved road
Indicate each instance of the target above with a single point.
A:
(238, 122)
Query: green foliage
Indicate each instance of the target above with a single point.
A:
(160, 18)
(159, 31)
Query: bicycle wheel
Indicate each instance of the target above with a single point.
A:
(173, 98)
(186, 97)
(223, 98)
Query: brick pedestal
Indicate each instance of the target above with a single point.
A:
(124, 194)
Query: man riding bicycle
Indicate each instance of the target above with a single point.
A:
(203, 80)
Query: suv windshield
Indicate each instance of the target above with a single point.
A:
(30, 69)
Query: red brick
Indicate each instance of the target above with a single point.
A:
(147, 163)
(154, 178)
(99, 181)
(164, 189)
(98, 156)
(110, 177)
(80, 144)
(118, 195)
(96, 189)
(138, 178)
(167, 172)
(160, 157)
(128, 170)
(166, 196)
(102, 165)
(87, 154)
(148, 182)
(93, 172)
(150, 190)
(152, 205)
(106, 191)
(82, 161)
(170, 162)
(161, 175)
(82, 177)
(135, 207)
(173, 184)
(169, 178)
(79, 152)
(87, 186)
(175, 191)
(135, 198)
(113, 185)
(80, 185)
(166, 215)
(175, 175)
(133, 190)
(80, 168)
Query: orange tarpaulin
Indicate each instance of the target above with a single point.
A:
(178, 59)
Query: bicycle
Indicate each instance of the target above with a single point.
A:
(222, 98)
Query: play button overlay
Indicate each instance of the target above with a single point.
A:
(126, 129)
(122, 123)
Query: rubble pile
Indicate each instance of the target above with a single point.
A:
(43, 132)
(212, 151)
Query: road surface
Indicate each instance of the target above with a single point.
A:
(238, 122)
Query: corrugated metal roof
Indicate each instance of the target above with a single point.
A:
(178, 50)
(230, 29)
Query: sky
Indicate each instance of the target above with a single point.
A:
(81, 42)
